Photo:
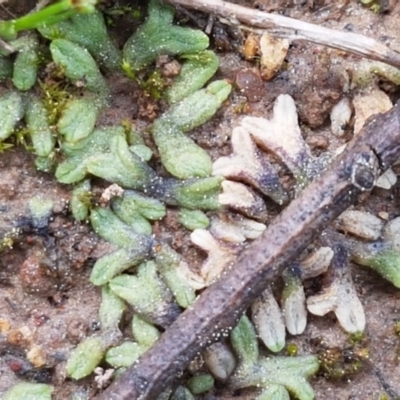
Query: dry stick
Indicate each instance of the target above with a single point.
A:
(219, 307)
(295, 29)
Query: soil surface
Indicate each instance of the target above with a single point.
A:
(48, 305)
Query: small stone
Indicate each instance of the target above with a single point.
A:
(251, 46)
(36, 356)
(383, 215)
(273, 52)
(250, 84)
(4, 325)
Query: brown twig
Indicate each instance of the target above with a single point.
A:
(217, 310)
(294, 29)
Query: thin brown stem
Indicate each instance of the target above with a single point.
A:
(294, 29)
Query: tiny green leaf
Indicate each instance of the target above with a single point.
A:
(112, 264)
(124, 355)
(193, 219)
(107, 225)
(182, 393)
(197, 108)
(144, 332)
(78, 65)
(274, 392)
(195, 194)
(200, 383)
(195, 72)
(80, 200)
(158, 36)
(111, 309)
(78, 119)
(244, 341)
(180, 155)
(37, 121)
(26, 62)
(147, 294)
(135, 209)
(29, 391)
(167, 261)
(85, 358)
(11, 111)
(89, 31)
(290, 372)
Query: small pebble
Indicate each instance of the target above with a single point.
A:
(250, 84)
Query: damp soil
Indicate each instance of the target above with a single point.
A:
(48, 305)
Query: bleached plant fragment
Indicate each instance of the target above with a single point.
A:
(220, 255)
(340, 116)
(273, 52)
(387, 180)
(281, 135)
(236, 230)
(316, 263)
(383, 255)
(269, 322)
(239, 197)
(361, 224)
(249, 165)
(102, 378)
(294, 301)
(219, 360)
(340, 295)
